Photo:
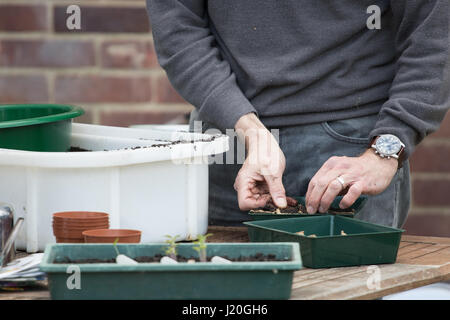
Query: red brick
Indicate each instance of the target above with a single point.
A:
(432, 224)
(23, 89)
(128, 54)
(431, 192)
(166, 93)
(93, 88)
(105, 19)
(46, 53)
(127, 118)
(444, 130)
(23, 18)
(431, 159)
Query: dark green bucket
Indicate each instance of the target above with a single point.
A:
(37, 127)
(365, 243)
(356, 207)
(238, 280)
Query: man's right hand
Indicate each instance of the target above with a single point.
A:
(260, 177)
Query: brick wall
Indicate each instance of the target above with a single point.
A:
(110, 68)
(430, 166)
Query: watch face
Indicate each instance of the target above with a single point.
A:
(388, 144)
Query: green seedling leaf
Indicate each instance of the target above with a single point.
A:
(200, 246)
(115, 246)
(171, 250)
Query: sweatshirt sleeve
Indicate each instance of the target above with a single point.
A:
(419, 95)
(187, 50)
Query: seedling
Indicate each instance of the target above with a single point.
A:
(201, 246)
(171, 250)
(121, 258)
(115, 246)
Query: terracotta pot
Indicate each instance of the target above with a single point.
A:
(80, 223)
(103, 225)
(70, 233)
(73, 233)
(73, 228)
(65, 240)
(80, 215)
(110, 235)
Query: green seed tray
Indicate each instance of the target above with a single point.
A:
(238, 280)
(364, 243)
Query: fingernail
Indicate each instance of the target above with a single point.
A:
(282, 202)
(321, 210)
(310, 210)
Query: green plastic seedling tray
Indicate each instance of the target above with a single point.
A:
(365, 243)
(356, 206)
(37, 127)
(238, 280)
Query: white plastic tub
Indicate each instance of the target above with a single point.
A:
(159, 190)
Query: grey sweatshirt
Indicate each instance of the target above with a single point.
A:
(296, 62)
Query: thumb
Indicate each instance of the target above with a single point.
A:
(277, 191)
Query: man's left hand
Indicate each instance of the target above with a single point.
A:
(366, 174)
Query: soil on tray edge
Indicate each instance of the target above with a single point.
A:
(258, 257)
(157, 145)
(298, 209)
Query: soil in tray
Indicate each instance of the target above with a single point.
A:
(78, 149)
(258, 257)
(292, 207)
(295, 207)
(157, 145)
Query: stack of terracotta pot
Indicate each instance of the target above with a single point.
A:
(68, 226)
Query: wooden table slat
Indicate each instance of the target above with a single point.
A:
(414, 248)
(431, 249)
(326, 278)
(322, 273)
(393, 278)
(404, 244)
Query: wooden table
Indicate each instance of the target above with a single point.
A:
(421, 261)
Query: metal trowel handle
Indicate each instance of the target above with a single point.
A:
(10, 242)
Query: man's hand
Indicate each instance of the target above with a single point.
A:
(260, 177)
(366, 174)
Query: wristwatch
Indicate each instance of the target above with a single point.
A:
(388, 146)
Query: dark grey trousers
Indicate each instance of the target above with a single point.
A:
(306, 148)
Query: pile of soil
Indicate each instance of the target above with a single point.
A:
(156, 145)
(295, 207)
(78, 149)
(341, 211)
(292, 207)
(259, 257)
(83, 261)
